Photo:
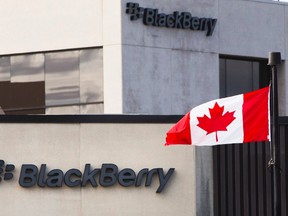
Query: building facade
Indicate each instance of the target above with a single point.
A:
(139, 57)
(77, 166)
(92, 57)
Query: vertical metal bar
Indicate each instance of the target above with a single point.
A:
(274, 59)
(253, 179)
(230, 180)
(283, 169)
(216, 181)
(237, 181)
(275, 134)
(223, 183)
(245, 180)
(260, 177)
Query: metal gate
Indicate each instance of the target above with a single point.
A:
(243, 182)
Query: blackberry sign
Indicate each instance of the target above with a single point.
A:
(6, 171)
(106, 176)
(183, 20)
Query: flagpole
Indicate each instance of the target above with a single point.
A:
(274, 60)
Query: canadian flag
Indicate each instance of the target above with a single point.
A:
(237, 119)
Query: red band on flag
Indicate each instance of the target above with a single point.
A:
(256, 115)
(180, 133)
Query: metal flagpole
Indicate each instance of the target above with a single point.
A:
(274, 60)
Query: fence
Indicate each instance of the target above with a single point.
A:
(243, 181)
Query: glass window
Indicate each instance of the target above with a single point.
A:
(238, 76)
(60, 82)
(22, 98)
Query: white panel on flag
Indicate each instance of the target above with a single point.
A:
(234, 133)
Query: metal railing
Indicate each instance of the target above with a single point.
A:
(243, 180)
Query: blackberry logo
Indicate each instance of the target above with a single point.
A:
(175, 20)
(108, 175)
(134, 10)
(5, 171)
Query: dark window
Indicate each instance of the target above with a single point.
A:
(238, 76)
(22, 98)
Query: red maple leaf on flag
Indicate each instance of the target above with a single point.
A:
(217, 122)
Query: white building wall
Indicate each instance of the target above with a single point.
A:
(31, 26)
(112, 57)
(67, 146)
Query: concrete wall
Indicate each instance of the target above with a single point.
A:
(165, 70)
(255, 28)
(252, 28)
(168, 71)
(66, 146)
